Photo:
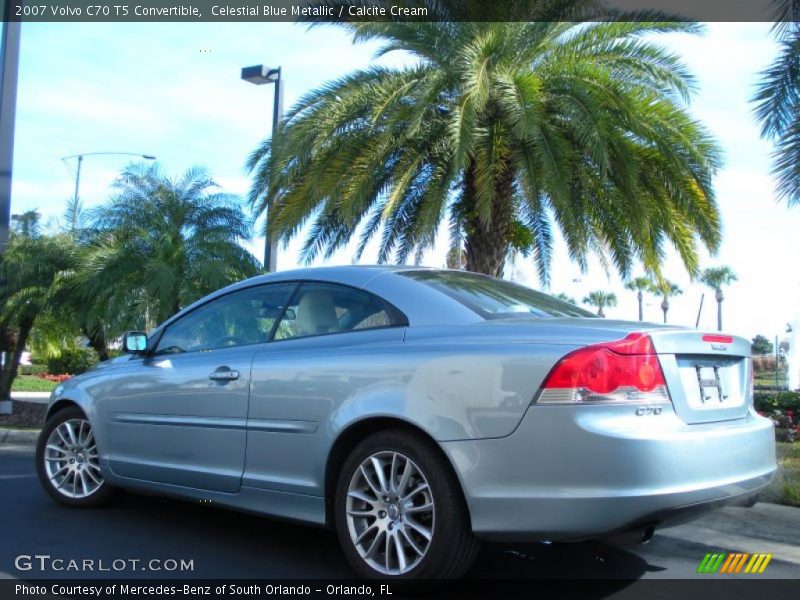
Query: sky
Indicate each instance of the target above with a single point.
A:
(174, 91)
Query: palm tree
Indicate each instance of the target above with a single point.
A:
(778, 102)
(80, 309)
(72, 313)
(566, 298)
(601, 300)
(160, 243)
(499, 129)
(27, 223)
(455, 259)
(640, 285)
(716, 279)
(29, 268)
(666, 289)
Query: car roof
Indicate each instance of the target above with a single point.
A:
(357, 275)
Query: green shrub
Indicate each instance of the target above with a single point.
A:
(32, 369)
(783, 408)
(768, 402)
(72, 360)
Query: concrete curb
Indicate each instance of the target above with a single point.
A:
(18, 436)
(34, 397)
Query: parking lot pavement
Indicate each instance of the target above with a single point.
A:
(225, 544)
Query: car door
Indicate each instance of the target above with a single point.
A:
(334, 342)
(179, 415)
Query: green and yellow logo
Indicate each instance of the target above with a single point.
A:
(735, 562)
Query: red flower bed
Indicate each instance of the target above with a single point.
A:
(55, 378)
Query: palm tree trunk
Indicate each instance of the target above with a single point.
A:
(176, 300)
(6, 351)
(719, 297)
(487, 242)
(641, 314)
(97, 341)
(9, 370)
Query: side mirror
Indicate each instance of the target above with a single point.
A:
(134, 342)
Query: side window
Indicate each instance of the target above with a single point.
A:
(236, 319)
(322, 308)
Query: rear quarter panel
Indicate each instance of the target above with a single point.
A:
(305, 393)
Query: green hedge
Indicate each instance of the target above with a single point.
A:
(768, 402)
(72, 360)
(32, 369)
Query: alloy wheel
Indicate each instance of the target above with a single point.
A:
(390, 513)
(70, 460)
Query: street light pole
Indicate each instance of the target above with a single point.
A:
(260, 75)
(277, 102)
(9, 66)
(80, 162)
(78, 179)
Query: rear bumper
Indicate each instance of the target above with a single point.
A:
(577, 472)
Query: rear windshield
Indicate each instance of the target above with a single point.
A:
(496, 298)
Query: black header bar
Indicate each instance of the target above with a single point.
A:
(399, 10)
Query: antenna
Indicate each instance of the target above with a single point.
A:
(699, 310)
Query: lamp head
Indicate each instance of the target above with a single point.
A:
(260, 74)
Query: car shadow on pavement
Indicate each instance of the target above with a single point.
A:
(232, 545)
(253, 546)
(584, 560)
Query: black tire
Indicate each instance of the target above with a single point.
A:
(452, 547)
(102, 495)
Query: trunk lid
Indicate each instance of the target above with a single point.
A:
(707, 374)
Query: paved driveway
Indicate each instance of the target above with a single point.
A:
(225, 544)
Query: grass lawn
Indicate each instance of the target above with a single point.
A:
(32, 383)
(767, 378)
(785, 486)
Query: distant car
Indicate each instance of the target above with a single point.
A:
(416, 411)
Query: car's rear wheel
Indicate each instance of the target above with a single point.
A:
(399, 510)
(67, 461)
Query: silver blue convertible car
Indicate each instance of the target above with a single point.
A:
(416, 411)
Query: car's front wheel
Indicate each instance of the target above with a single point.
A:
(399, 510)
(67, 462)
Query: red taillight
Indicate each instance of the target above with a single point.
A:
(624, 370)
(719, 339)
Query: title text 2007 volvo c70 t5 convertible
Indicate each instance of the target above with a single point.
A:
(416, 411)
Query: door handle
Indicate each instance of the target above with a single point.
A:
(224, 374)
